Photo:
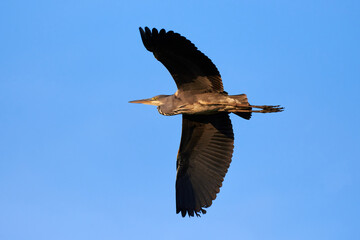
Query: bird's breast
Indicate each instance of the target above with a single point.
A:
(164, 112)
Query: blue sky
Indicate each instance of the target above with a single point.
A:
(77, 161)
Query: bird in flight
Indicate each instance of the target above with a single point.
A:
(207, 139)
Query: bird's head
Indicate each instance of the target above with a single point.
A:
(156, 101)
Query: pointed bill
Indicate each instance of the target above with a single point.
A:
(148, 101)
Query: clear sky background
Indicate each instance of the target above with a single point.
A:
(77, 161)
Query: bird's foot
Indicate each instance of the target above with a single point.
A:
(258, 108)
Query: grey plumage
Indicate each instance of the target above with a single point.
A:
(207, 139)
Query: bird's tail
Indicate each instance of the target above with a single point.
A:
(244, 109)
(243, 98)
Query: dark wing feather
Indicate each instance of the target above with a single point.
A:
(206, 148)
(189, 67)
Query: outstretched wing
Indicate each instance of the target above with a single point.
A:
(206, 148)
(189, 67)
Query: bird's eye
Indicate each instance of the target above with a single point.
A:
(154, 98)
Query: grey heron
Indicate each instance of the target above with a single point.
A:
(207, 139)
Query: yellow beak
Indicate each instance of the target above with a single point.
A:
(147, 101)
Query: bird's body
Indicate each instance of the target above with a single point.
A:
(207, 139)
(186, 102)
